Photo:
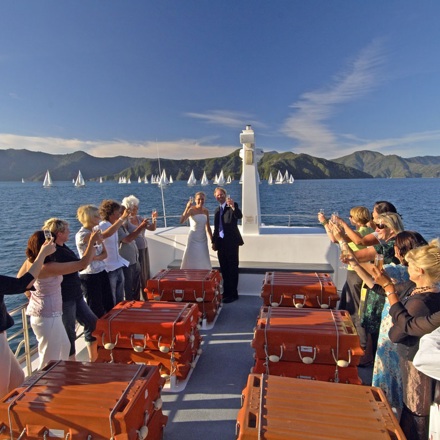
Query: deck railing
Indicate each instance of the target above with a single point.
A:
(20, 339)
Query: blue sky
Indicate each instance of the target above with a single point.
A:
(181, 78)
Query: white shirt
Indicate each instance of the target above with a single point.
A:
(114, 260)
(427, 359)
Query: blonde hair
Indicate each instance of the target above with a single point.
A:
(130, 201)
(392, 220)
(427, 258)
(85, 213)
(219, 188)
(360, 214)
(55, 225)
(200, 193)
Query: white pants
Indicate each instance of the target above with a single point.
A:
(11, 375)
(53, 343)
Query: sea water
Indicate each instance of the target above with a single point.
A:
(27, 205)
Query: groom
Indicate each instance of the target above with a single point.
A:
(225, 241)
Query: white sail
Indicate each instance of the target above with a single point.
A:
(221, 179)
(192, 179)
(204, 180)
(100, 180)
(79, 182)
(291, 179)
(139, 179)
(22, 180)
(163, 179)
(128, 180)
(47, 183)
(145, 179)
(270, 180)
(229, 180)
(215, 181)
(286, 177)
(279, 178)
(170, 180)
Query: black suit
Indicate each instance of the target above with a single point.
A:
(227, 248)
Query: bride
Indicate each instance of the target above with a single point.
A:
(196, 255)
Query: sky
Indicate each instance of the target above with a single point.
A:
(180, 79)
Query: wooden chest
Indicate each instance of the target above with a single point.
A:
(86, 400)
(191, 285)
(281, 408)
(140, 325)
(306, 335)
(298, 289)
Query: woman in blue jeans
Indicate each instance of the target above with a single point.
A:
(75, 307)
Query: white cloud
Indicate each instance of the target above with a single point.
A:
(309, 123)
(179, 149)
(227, 118)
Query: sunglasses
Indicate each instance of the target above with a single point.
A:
(381, 226)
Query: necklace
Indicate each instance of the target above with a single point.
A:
(423, 289)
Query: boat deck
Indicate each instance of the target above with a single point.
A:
(208, 406)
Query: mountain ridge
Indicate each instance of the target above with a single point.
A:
(30, 165)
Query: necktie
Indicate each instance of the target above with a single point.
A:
(220, 223)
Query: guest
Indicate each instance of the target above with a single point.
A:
(351, 291)
(45, 303)
(196, 255)
(11, 373)
(371, 239)
(421, 300)
(74, 306)
(95, 283)
(129, 251)
(386, 371)
(226, 240)
(135, 220)
(112, 220)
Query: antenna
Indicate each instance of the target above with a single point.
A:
(161, 187)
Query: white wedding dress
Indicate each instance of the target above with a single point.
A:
(196, 254)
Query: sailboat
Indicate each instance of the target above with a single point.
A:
(221, 179)
(47, 183)
(139, 179)
(204, 180)
(291, 179)
(22, 180)
(100, 180)
(229, 180)
(145, 179)
(171, 180)
(192, 179)
(163, 179)
(79, 182)
(279, 178)
(270, 180)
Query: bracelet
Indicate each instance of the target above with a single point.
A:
(386, 285)
(389, 293)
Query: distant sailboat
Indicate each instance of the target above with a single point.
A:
(192, 179)
(22, 180)
(163, 179)
(270, 180)
(171, 180)
(47, 183)
(139, 179)
(279, 178)
(100, 180)
(228, 180)
(145, 179)
(80, 182)
(221, 179)
(291, 179)
(204, 180)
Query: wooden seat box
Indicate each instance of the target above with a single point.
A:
(298, 289)
(141, 325)
(323, 372)
(85, 400)
(306, 335)
(192, 285)
(281, 408)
